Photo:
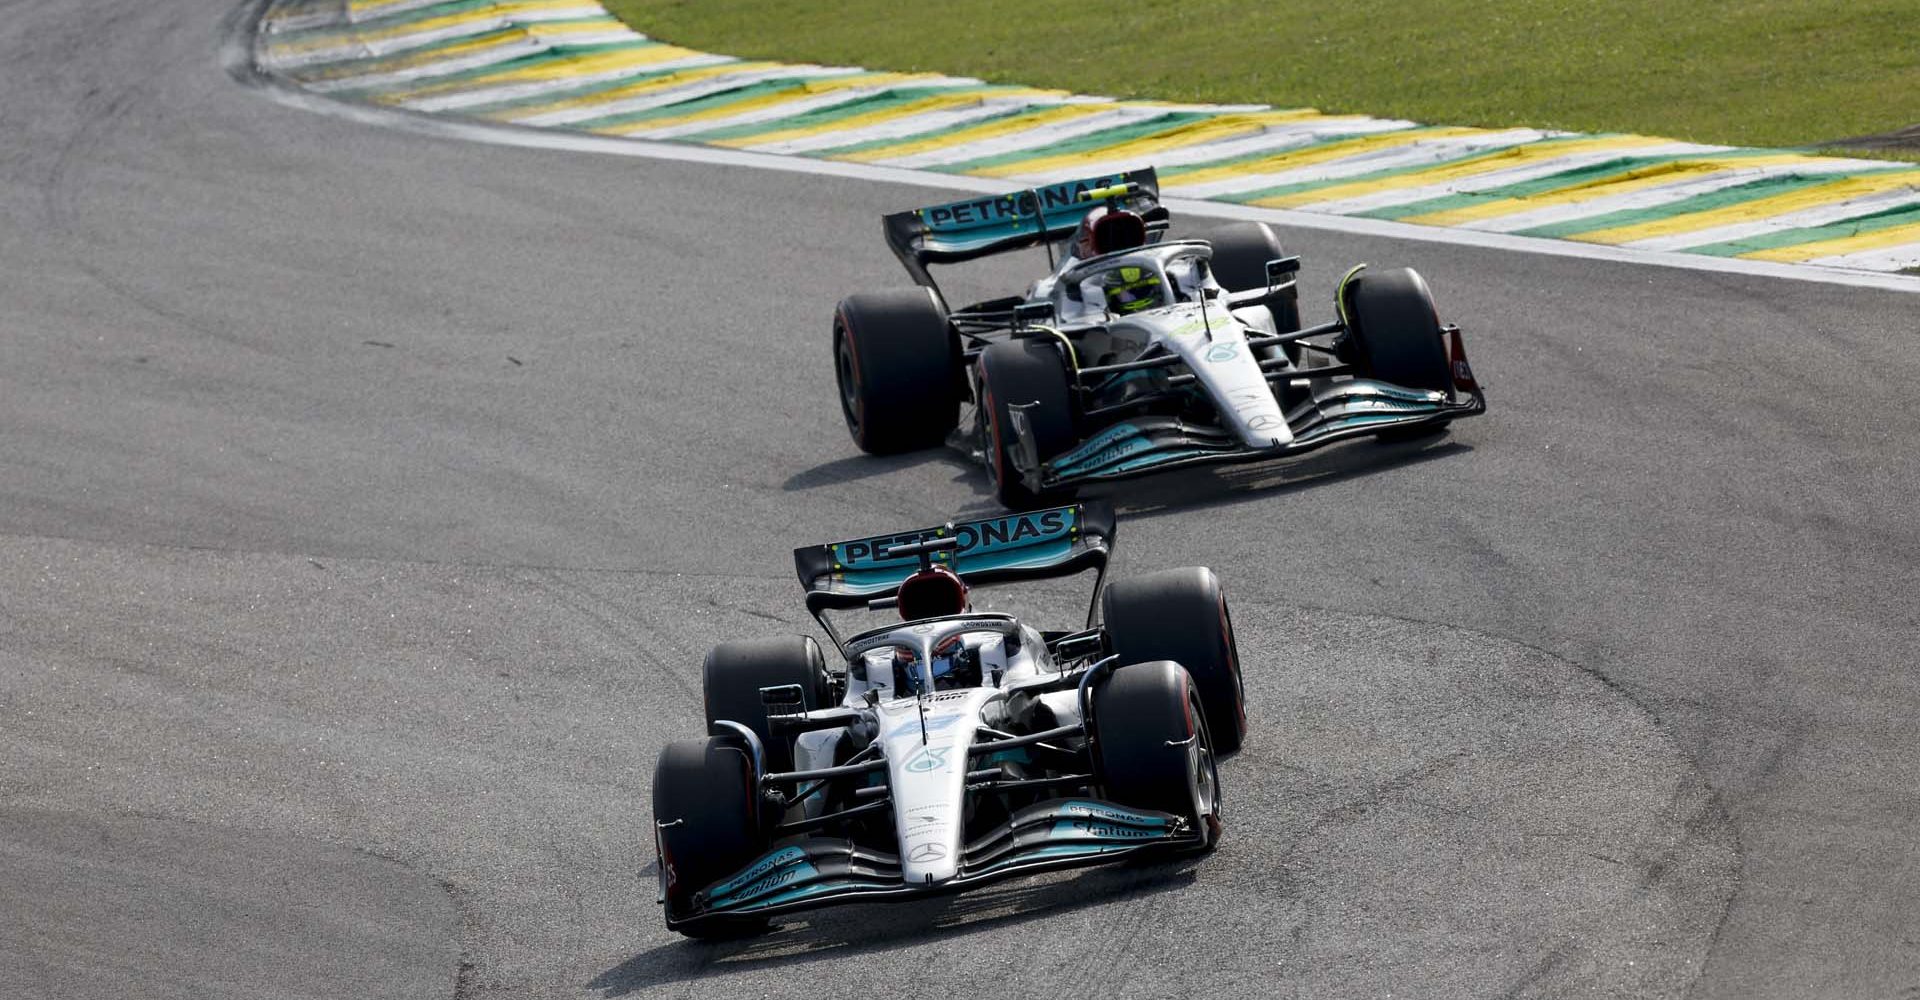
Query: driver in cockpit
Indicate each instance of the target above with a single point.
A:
(937, 592)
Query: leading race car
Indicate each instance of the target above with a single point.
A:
(1135, 353)
(952, 746)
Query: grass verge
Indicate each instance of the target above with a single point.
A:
(1795, 73)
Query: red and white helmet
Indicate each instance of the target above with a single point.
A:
(931, 593)
(1107, 229)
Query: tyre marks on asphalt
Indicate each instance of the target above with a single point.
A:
(567, 64)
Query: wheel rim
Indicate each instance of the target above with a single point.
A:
(1203, 775)
(849, 377)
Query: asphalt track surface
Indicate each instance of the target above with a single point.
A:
(368, 499)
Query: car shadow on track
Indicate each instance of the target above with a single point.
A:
(857, 466)
(1169, 492)
(1215, 486)
(844, 932)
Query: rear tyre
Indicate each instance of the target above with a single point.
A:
(736, 671)
(1151, 745)
(1025, 371)
(1240, 254)
(1396, 330)
(1181, 615)
(706, 827)
(896, 361)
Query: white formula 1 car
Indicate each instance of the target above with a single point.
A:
(1135, 353)
(949, 747)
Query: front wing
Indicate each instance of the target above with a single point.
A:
(1339, 410)
(819, 871)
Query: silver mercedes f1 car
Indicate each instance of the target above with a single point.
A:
(949, 747)
(1135, 353)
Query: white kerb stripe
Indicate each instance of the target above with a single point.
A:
(788, 109)
(1038, 136)
(508, 49)
(292, 57)
(1896, 258)
(1501, 178)
(1419, 151)
(1803, 219)
(1665, 194)
(1275, 140)
(477, 97)
(717, 84)
(907, 125)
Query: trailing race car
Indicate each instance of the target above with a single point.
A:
(1135, 353)
(950, 747)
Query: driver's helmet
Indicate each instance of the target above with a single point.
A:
(1105, 230)
(931, 593)
(1131, 289)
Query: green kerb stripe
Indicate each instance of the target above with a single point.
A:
(559, 53)
(346, 32)
(583, 90)
(1620, 166)
(1765, 188)
(1904, 215)
(746, 92)
(1099, 140)
(1000, 119)
(840, 112)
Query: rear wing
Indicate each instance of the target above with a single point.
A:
(991, 224)
(1059, 541)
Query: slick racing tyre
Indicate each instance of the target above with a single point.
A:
(736, 671)
(706, 826)
(1029, 370)
(1396, 329)
(1181, 615)
(1151, 745)
(898, 365)
(1240, 254)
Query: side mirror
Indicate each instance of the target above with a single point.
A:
(783, 699)
(1281, 267)
(1032, 313)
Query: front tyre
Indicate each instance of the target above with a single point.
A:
(706, 827)
(1396, 329)
(1181, 615)
(896, 361)
(1151, 745)
(1029, 370)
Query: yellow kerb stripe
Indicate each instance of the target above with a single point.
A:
(498, 12)
(559, 69)
(646, 86)
(1175, 137)
(797, 92)
(1892, 236)
(951, 99)
(1758, 209)
(1625, 182)
(425, 57)
(978, 133)
(1484, 163)
(1320, 153)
